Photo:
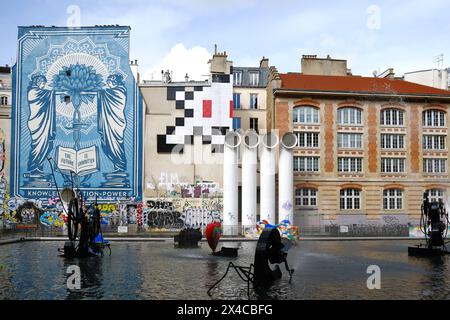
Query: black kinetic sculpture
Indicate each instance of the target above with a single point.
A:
(188, 238)
(434, 224)
(84, 231)
(269, 250)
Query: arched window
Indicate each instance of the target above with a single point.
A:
(306, 197)
(433, 118)
(349, 116)
(350, 199)
(393, 199)
(306, 114)
(434, 195)
(392, 117)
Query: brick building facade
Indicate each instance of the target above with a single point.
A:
(368, 147)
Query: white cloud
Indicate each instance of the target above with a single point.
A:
(181, 60)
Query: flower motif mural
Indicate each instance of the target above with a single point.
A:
(78, 114)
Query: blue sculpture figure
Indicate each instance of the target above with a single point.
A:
(111, 120)
(42, 122)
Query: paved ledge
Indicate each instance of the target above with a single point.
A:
(12, 240)
(357, 238)
(136, 239)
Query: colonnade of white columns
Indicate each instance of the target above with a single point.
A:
(268, 146)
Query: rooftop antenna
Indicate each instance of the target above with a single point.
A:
(439, 60)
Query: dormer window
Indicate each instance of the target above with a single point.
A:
(237, 78)
(254, 79)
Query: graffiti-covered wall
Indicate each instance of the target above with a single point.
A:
(3, 182)
(77, 112)
(163, 214)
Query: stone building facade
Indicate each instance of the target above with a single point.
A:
(186, 123)
(368, 148)
(250, 96)
(5, 116)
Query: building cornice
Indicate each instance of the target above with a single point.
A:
(358, 94)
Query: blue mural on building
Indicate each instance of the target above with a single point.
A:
(78, 113)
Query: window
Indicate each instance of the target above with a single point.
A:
(306, 115)
(393, 199)
(237, 79)
(306, 197)
(306, 164)
(4, 101)
(349, 116)
(349, 140)
(253, 101)
(308, 139)
(434, 142)
(237, 100)
(392, 117)
(350, 199)
(350, 164)
(433, 118)
(435, 195)
(392, 141)
(236, 123)
(254, 124)
(254, 79)
(392, 165)
(435, 165)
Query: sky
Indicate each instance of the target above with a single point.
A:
(180, 35)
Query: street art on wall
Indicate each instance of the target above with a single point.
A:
(176, 213)
(208, 113)
(2, 156)
(170, 185)
(2, 176)
(78, 111)
(167, 214)
(53, 219)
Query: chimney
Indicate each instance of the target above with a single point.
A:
(219, 62)
(311, 64)
(135, 70)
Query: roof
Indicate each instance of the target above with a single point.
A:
(157, 83)
(263, 76)
(356, 84)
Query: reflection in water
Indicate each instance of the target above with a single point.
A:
(91, 278)
(212, 267)
(433, 284)
(155, 270)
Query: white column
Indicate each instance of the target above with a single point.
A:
(230, 184)
(286, 178)
(249, 180)
(267, 169)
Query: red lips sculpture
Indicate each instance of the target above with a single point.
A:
(213, 233)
